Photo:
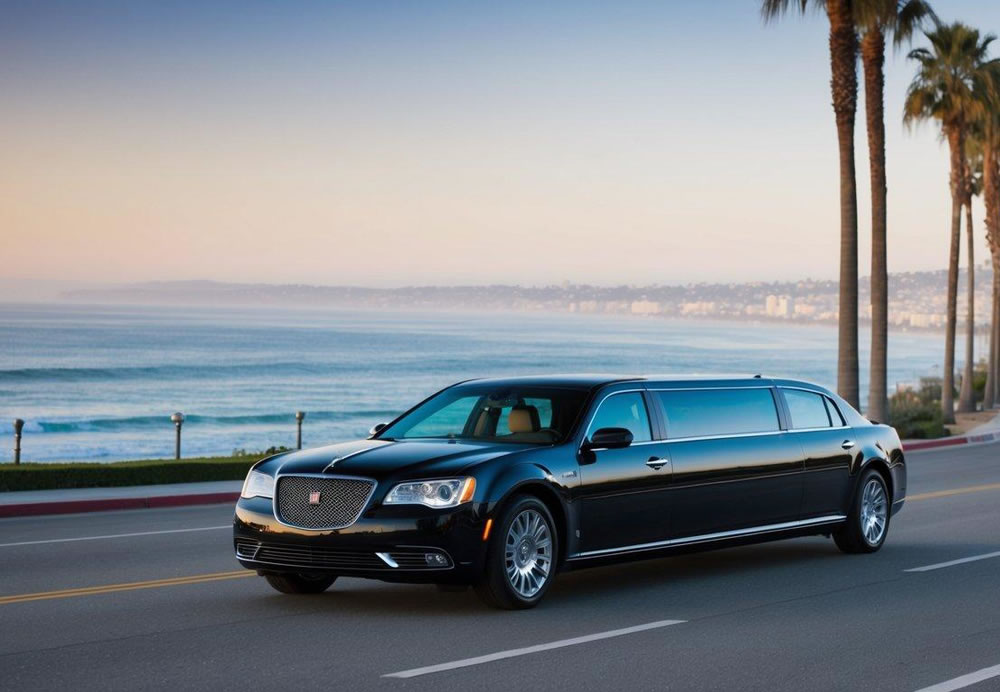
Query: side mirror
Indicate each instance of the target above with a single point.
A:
(377, 428)
(610, 438)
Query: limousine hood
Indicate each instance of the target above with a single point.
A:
(380, 459)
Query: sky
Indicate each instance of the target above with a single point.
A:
(417, 142)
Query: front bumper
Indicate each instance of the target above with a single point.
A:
(391, 543)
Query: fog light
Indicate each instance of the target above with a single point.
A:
(436, 560)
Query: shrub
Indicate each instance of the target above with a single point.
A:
(916, 415)
(35, 476)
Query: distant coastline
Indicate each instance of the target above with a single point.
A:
(917, 298)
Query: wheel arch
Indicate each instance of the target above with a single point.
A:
(879, 465)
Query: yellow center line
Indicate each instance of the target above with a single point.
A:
(954, 491)
(129, 586)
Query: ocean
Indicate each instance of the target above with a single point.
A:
(100, 382)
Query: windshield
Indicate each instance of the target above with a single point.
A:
(533, 415)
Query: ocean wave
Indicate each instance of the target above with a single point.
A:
(161, 422)
(159, 372)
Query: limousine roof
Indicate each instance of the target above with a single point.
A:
(590, 380)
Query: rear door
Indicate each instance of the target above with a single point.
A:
(828, 446)
(623, 492)
(733, 465)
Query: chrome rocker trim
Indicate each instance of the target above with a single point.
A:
(705, 538)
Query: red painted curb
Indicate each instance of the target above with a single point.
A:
(951, 441)
(931, 444)
(28, 509)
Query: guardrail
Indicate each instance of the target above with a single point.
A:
(176, 418)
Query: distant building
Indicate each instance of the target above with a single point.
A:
(701, 307)
(645, 307)
(779, 306)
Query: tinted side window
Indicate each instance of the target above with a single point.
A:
(808, 410)
(626, 410)
(835, 417)
(693, 412)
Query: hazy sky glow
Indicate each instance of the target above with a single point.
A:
(386, 143)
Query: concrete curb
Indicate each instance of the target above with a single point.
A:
(951, 441)
(29, 509)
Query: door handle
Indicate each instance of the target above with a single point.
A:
(656, 463)
(847, 444)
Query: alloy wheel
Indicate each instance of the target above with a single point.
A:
(874, 511)
(528, 553)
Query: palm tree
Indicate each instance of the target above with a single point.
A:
(943, 89)
(844, 87)
(875, 19)
(988, 141)
(971, 188)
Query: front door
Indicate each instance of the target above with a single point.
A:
(623, 492)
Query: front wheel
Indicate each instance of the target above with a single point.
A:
(521, 556)
(300, 583)
(868, 521)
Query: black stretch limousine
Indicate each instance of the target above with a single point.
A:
(499, 483)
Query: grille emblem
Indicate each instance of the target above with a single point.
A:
(314, 497)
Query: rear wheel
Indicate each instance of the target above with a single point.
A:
(300, 583)
(520, 558)
(868, 521)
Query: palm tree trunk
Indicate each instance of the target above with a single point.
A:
(956, 142)
(967, 397)
(873, 60)
(990, 394)
(844, 88)
(991, 221)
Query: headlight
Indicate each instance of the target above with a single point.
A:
(446, 493)
(258, 484)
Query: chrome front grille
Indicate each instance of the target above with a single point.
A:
(320, 557)
(318, 502)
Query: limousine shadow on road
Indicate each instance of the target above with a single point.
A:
(624, 584)
(699, 575)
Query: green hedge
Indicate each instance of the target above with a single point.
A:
(36, 476)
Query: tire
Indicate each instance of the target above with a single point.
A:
(867, 523)
(300, 583)
(521, 556)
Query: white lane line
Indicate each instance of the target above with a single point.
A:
(963, 681)
(511, 653)
(115, 535)
(952, 563)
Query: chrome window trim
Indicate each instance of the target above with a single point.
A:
(806, 430)
(724, 436)
(708, 537)
(663, 388)
(597, 407)
(634, 444)
(801, 389)
(329, 476)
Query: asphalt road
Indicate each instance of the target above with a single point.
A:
(83, 607)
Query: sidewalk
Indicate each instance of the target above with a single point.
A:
(69, 501)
